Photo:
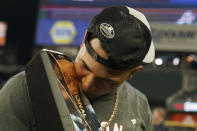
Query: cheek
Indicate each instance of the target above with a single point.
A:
(95, 86)
(101, 86)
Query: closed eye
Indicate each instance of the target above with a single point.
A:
(85, 65)
(111, 82)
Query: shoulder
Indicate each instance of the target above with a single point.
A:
(19, 75)
(15, 91)
(161, 126)
(131, 92)
(15, 86)
(14, 102)
(134, 97)
(15, 83)
(17, 78)
(137, 102)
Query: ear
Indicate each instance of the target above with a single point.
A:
(134, 70)
(83, 42)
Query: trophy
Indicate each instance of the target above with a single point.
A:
(57, 101)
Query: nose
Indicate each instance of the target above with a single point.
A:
(88, 81)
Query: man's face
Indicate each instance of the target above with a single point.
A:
(96, 79)
(155, 115)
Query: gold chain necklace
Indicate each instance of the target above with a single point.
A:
(114, 111)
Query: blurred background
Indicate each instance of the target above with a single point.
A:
(169, 82)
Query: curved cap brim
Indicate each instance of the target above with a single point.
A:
(150, 55)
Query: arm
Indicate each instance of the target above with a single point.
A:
(15, 111)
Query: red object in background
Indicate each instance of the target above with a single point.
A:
(181, 116)
(3, 30)
(178, 106)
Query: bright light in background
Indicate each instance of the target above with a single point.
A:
(191, 58)
(158, 61)
(190, 106)
(176, 61)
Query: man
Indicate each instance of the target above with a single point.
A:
(116, 45)
(159, 115)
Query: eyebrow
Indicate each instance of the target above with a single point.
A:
(106, 79)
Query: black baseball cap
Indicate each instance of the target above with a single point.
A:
(125, 36)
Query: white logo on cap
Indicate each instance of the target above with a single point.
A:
(107, 30)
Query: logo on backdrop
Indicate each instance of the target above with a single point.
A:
(188, 17)
(63, 32)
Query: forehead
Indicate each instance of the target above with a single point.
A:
(96, 67)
